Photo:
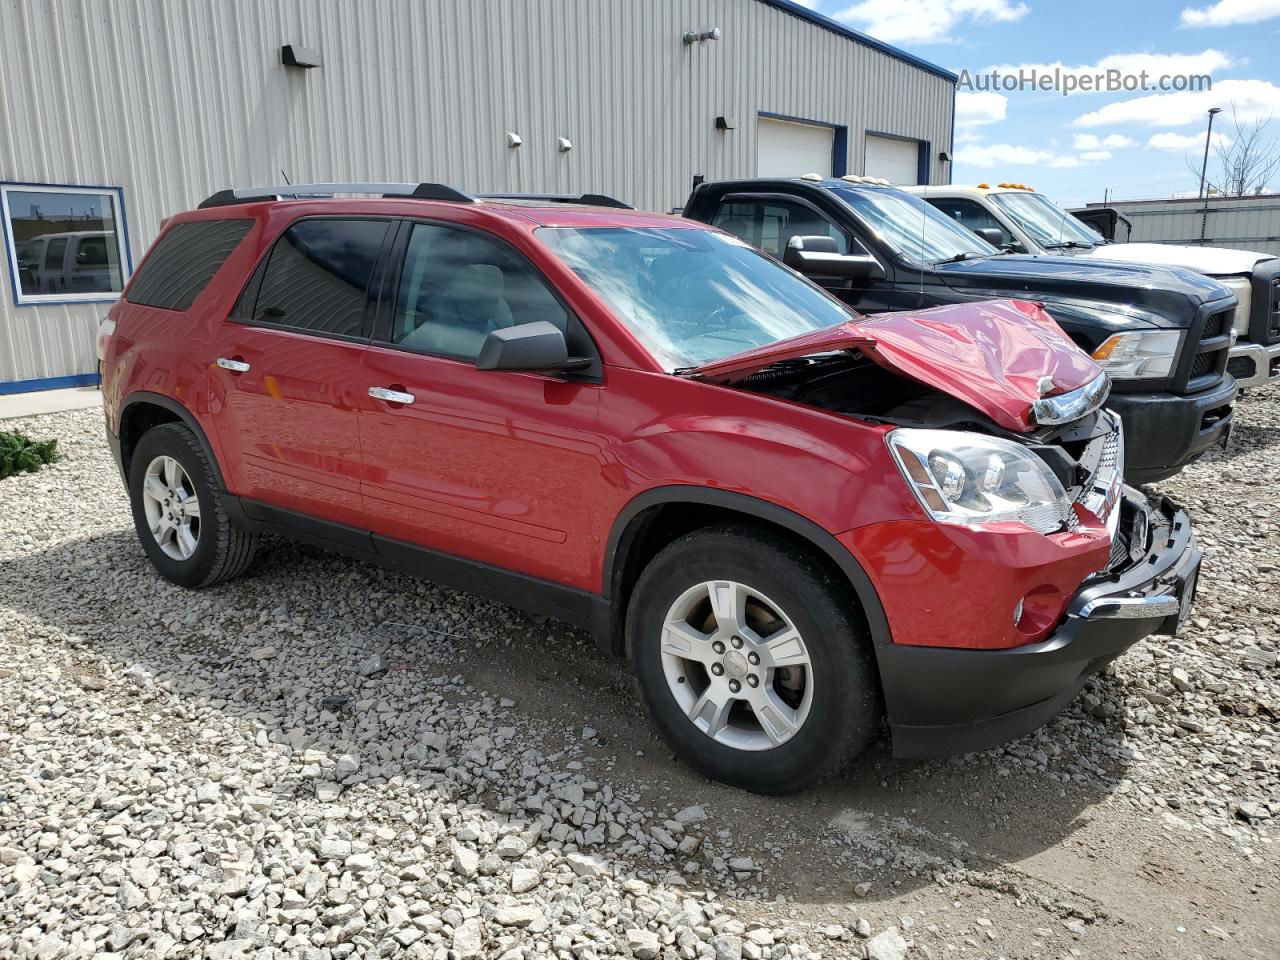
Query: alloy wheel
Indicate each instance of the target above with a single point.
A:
(736, 665)
(172, 508)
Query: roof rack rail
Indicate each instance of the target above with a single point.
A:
(590, 199)
(419, 191)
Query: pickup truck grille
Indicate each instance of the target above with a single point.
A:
(1209, 360)
(1214, 326)
(1273, 319)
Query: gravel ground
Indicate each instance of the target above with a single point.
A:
(324, 759)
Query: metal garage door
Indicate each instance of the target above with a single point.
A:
(785, 149)
(898, 161)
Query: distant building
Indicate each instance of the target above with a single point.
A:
(1245, 223)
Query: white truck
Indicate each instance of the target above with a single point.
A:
(1017, 218)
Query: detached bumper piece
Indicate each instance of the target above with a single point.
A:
(944, 701)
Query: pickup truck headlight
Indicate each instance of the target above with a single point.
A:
(1145, 355)
(970, 478)
(1243, 289)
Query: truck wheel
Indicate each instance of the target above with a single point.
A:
(179, 512)
(750, 660)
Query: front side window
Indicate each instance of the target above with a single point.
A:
(318, 276)
(971, 215)
(1045, 222)
(692, 296)
(458, 286)
(770, 224)
(911, 228)
(64, 243)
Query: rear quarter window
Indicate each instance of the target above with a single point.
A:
(184, 261)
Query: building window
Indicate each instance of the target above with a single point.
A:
(64, 244)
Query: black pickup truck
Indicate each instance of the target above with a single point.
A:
(1162, 334)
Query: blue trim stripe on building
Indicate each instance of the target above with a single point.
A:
(49, 383)
(804, 13)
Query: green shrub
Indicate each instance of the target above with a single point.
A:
(20, 454)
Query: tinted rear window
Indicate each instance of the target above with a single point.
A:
(318, 276)
(184, 261)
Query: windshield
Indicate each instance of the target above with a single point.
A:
(692, 296)
(912, 228)
(1044, 221)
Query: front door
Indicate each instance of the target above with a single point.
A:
(287, 383)
(498, 467)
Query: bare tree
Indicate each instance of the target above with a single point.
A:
(1247, 159)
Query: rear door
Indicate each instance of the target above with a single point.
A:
(287, 379)
(499, 467)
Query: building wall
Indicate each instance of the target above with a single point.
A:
(1244, 223)
(174, 100)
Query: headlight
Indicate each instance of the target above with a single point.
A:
(1139, 356)
(1243, 289)
(970, 478)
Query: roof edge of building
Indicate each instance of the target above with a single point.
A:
(826, 23)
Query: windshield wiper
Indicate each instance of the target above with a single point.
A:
(966, 255)
(1069, 245)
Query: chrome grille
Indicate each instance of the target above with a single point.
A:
(1100, 493)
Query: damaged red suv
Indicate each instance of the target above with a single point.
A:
(790, 519)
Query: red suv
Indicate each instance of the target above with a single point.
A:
(792, 520)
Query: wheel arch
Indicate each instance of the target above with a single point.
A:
(142, 410)
(639, 532)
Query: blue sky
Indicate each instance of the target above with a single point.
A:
(1137, 144)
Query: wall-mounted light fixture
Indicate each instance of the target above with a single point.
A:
(292, 55)
(563, 144)
(944, 157)
(726, 123)
(696, 36)
(514, 139)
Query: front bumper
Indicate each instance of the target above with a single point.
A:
(1254, 365)
(1163, 432)
(944, 701)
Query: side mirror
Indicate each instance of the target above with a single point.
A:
(821, 255)
(992, 235)
(539, 345)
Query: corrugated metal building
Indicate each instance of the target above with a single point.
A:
(1245, 223)
(117, 113)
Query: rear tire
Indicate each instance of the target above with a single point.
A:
(751, 660)
(179, 511)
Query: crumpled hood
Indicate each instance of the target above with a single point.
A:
(993, 356)
(1212, 261)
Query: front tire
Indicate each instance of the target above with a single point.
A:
(179, 513)
(751, 660)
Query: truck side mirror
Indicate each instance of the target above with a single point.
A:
(821, 255)
(992, 235)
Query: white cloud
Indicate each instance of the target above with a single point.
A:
(1155, 65)
(1226, 13)
(1252, 99)
(996, 156)
(1181, 142)
(975, 110)
(1112, 141)
(927, 21)
(1093, 155)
